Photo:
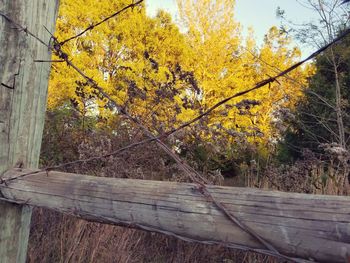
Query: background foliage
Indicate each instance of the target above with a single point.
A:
(282, 137)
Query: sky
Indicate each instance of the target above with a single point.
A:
(258, 14)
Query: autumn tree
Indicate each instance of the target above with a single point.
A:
(137, 60)
(164, 77)
(225, 63)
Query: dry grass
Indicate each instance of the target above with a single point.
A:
(60, 238)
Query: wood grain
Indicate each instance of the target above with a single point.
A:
(298, 225)
(23, 92)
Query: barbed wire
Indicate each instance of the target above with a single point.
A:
(56, 47)
(101, 22)
(320, 120)
(279, 72)
(260, 84)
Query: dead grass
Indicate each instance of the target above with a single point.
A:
(60, 238)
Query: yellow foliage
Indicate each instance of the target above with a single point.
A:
(225, 65)
(140, 60)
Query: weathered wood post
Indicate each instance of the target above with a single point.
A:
(313, 228)
(23, 92)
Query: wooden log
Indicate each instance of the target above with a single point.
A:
(23, 92)
(311, 227)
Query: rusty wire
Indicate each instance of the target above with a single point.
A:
(101, 22)
(56, 47)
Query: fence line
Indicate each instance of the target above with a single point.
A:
(56, 46)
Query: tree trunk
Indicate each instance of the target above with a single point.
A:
(338, 100)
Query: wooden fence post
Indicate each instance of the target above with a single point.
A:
(23, 92)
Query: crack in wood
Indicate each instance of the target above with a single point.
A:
(7, 86)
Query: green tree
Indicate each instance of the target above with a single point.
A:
(314, 131)
(332, 19)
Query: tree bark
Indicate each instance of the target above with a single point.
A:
(298, 225)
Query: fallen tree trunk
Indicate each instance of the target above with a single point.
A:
(310, 227)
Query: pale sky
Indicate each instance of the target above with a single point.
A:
(258, 14)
